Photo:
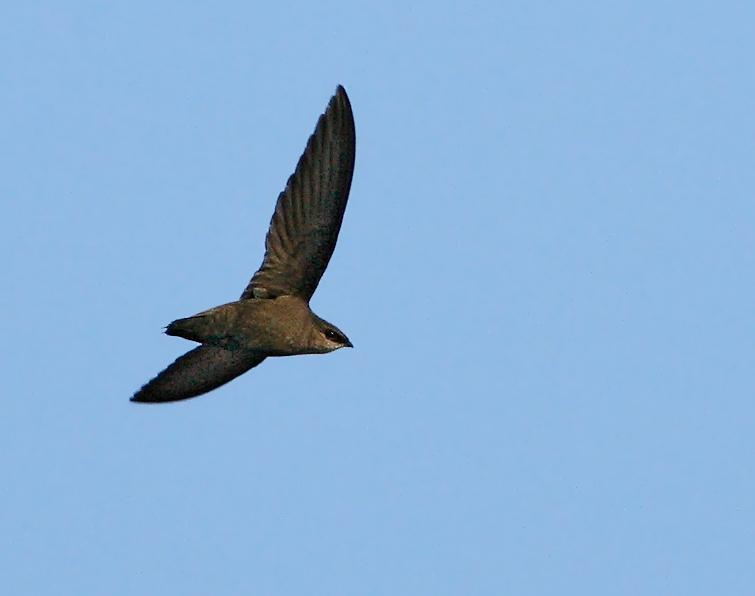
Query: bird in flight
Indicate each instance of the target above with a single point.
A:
(272, 317)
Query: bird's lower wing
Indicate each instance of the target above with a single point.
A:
(197, 372)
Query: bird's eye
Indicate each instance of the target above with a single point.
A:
(332, 335)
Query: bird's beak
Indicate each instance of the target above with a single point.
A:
(348, 344)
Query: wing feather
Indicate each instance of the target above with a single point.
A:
(198, 371)
(308, 215)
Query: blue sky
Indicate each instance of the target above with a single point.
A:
(546, 267)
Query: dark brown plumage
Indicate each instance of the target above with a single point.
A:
(273, 317)
(307, 219)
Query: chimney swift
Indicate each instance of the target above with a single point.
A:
(272, 317)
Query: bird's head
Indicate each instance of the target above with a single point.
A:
(328, 337)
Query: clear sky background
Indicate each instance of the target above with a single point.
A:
(546, 266)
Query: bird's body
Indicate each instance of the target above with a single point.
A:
(273, 317)
(283, 326)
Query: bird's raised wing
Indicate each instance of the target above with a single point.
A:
(308, 215)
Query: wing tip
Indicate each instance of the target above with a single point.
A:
(341, 97)
(142, 397)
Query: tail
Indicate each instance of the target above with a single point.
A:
(196, 372)
(192, 328)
